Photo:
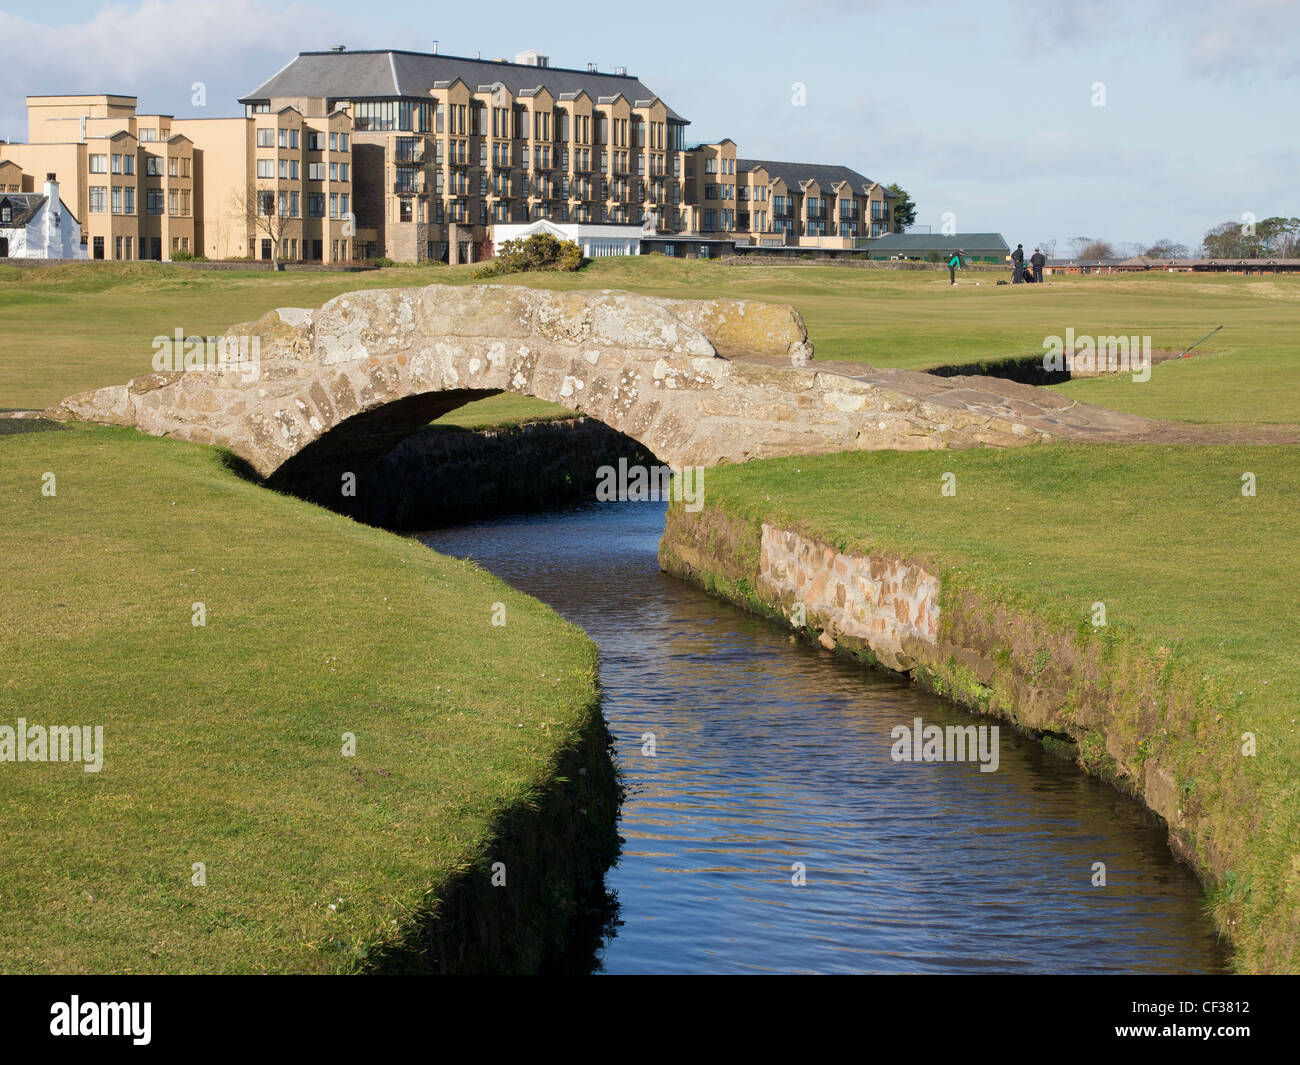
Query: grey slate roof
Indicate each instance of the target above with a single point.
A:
(379, 74)
(923, 242)
(24, 204)
(795, 173)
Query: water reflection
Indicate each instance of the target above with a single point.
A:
(771, 753)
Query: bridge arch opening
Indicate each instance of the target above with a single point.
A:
(391, 467)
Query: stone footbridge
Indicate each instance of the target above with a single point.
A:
(696, 382)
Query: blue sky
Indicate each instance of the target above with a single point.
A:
(985, 110)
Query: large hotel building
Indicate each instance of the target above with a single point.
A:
(353, 155)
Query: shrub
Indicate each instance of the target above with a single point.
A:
(541, 251)
(182, 255)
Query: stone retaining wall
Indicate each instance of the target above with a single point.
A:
(1124, 710)
(877, 602)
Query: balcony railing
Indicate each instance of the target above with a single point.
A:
(416, 153)
(817, 214)
(410, 188)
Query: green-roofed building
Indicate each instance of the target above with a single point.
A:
(975, 247)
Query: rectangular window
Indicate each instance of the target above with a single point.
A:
(313, 141)
(284, 169)
(334, 147)
(284, 138)
(265, 137)
(343, 140)
(343, 172)
(117, 164)
(282, 204)
(334, 171)
(293, 139)
(117, 199)
(98, 199)
(128, 202)
(154, 201)
(173, 167)
(293, 169)
(293, 203)
(148, 135)
(315, 171)
(343, 203)
(185, 202)
(334, 204)
(152, 166)
(99, 164)
(266, 168)
(316, 205)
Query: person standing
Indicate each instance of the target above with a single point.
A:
(1018, 264)
(954, 264)
(1036, 261)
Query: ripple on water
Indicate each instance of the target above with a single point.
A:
(770, 752)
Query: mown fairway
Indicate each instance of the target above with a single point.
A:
(65, 329)
(223, 743)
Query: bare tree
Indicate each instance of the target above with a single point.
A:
(260, 211)
(1048, 247)
(1097, 249)
(1165, 248)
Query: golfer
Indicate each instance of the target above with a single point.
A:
(954, 264)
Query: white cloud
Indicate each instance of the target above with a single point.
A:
(1247, 37)
(155, 50)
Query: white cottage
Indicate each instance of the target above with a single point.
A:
(38, 225)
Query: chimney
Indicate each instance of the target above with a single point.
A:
(435, 47)
(52, 192)
(339, 48)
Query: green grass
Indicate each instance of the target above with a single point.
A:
(74, 327)
(1161, 535)
(505, 408)
(223, 742)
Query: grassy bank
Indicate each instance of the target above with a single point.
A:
(1198, 584)
(223, 742)
(74, 327)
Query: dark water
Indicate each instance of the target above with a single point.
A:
(769, 752)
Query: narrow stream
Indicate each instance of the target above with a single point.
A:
(769, 753)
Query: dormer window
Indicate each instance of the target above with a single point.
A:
(6, 213)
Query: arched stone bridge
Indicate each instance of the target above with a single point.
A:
(696, 382)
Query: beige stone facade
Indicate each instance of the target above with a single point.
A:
(417, 156)
(447, 147)
(128, 177)
(151, 186)
(275, 185)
